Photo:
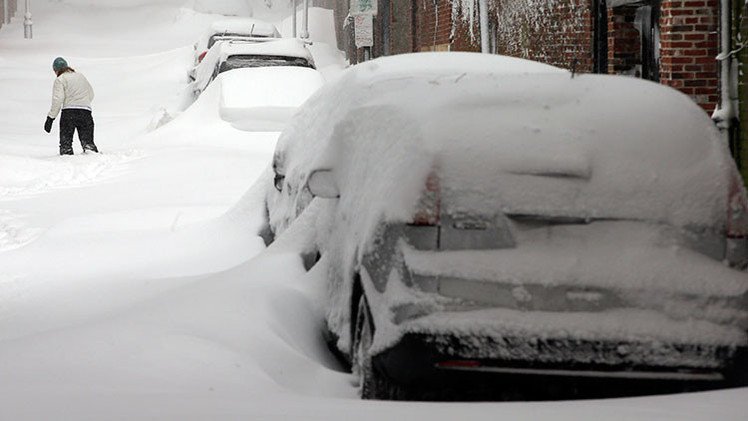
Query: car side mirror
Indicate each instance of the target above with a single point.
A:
(321, 183)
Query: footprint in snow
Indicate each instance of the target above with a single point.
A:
(23, 177)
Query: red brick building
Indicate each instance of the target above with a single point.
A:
(672, 42)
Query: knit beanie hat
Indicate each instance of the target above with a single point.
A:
(59, 63)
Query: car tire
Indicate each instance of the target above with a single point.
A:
(372, 384)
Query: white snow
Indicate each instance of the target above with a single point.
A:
(132, 284)
(264, 98)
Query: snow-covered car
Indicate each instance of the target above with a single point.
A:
(229, 55)
(243, 29)
(487, 221)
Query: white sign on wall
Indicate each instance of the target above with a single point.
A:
(363, 30)
(359, 7)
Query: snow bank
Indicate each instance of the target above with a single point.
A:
(265, 98)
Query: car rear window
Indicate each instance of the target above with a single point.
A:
(243, 61)
(227, 35)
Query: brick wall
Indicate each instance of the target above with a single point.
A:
(402, 26)
(433, 24)
(562, 33)
(557, 32)
(689, 44)
(439, 26)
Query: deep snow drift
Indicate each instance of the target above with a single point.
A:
(132, 283)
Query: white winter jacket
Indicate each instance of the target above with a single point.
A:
(71, 90)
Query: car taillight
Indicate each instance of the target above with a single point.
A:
(201, 56)
(427, 212)
(737, 208)
(458, 364)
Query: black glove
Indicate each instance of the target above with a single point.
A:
(48, 124)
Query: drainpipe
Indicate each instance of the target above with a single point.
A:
(27, 23)
(305, 21)
(483, 14)
(6, 12)
(725, 114)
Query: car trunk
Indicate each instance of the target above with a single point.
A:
(594, 267)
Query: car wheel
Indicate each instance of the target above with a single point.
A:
(372, 384)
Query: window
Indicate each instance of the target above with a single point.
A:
(238, 62)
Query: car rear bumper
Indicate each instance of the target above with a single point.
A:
(572, 368)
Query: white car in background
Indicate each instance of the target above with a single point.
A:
(244, 29)
(229, 55)
(489, 223)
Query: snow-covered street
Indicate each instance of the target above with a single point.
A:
(134, 284)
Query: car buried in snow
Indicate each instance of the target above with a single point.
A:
(229, 55)
(490, 224)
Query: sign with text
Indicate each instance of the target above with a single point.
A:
(359, 7)
(363, 30)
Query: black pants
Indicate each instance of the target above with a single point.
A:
(81, 120)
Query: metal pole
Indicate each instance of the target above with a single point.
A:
(483, 13)
(726, 112)
(6, 12)
(27, 23)
(305, 21)
(293, 17)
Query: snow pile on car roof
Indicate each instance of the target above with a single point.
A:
(244, 26)
(265, 97)
(516, 136)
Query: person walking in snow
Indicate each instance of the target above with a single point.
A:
(72, 94)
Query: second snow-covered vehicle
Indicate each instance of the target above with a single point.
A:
(229, 55)
(487, 220)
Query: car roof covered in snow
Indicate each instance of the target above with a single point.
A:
(238, 26)
(514, 135)
(244, 26)
(285, 47)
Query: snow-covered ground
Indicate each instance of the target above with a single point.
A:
(132, 284)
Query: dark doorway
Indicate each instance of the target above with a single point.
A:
(600, 39)
(648, 22)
